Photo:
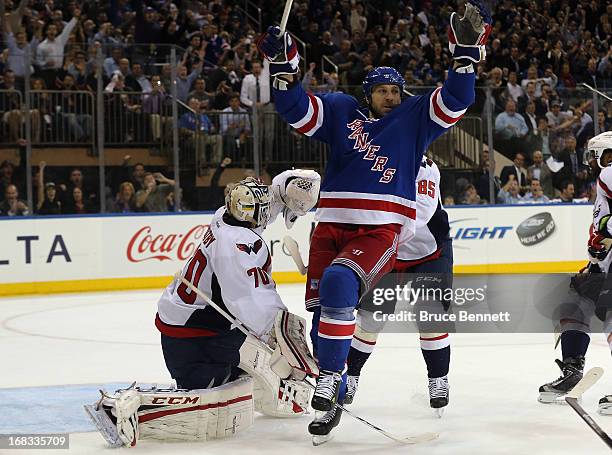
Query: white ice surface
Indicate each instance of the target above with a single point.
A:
(110, 338)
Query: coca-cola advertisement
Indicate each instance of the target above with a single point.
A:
(146, 244)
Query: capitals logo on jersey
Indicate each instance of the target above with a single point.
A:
(250, 247)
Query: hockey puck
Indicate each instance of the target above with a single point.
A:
(535, 229)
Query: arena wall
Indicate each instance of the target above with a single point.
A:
(94, 253)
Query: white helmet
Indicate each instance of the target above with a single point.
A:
(598, 145)
(249, 200)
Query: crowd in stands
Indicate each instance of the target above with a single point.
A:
(538, 54)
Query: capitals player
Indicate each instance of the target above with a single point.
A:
(429, 254)
(368, 193)
(206, 356)
(591, 288)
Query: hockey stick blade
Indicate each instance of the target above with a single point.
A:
(414, 439)
(587, 381)
(573, 402)
(294, 250)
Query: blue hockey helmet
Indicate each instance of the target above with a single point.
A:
(382, 75)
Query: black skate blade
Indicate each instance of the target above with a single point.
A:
(318, 440)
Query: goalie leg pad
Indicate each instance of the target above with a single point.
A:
(199, 414)
(272, 395)
(174, 414)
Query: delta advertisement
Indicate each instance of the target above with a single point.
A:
(122, 252)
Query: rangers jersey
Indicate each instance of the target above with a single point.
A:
(231, 266)
(432, 227)
(373, 164)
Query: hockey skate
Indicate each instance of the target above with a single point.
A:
(438, 394)
(571, 374)
(327, 390)
(320, 428)
(352, 382)
(605, 405)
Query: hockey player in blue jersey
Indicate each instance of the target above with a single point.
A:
(368, 192)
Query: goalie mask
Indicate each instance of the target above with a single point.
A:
(599, 145)
(249, 201)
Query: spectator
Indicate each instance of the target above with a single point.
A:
(153, 197)
(17, 43)
(78, 205)
(111, 64)
(200, 132)
(482, 182)
(255, 94)
(235, 126)
(535, 193)
(12, 205)
(76, 180)
(510, 127)
(583, 126)
(137, 81)
(542, 139)
(515, 169)
(540, 171)
(603, 122)
(540, 108)
(184, 81)
(125, 201)
(48, 203)
(50, 53)
(7, 175)
(73, 110)
(10, 106)
(513, 89)
(536, 197)
(567, 191)
(470, 196)
(147, 28)
(573, 169)
(558, 119)
(199, 92)
(532, 126)
(449, 201)
(509, 193)
(154, 104)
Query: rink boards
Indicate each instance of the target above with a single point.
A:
(70, 254)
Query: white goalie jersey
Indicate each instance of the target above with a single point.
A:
(233, 267)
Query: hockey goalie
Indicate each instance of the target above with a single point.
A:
(222, 375)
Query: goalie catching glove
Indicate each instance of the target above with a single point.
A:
(468, 35)
(280, 50)
(298, 191)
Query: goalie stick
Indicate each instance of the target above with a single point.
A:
(589, 379)
(294, 250)
(415, 439)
